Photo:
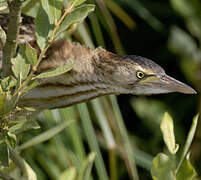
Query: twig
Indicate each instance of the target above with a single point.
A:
(67, 11)
(34, 69)
(9, 49)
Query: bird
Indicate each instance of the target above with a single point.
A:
(96, 72)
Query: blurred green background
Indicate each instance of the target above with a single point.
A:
(168, 32)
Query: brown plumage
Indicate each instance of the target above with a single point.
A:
(97, 72)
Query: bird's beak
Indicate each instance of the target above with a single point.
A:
(172, 85)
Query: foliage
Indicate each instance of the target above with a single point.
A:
(23, 66)
(167, 166)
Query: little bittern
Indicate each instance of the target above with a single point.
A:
(95, 73)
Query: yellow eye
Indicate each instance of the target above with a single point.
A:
(140, 74)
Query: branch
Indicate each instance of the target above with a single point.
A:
(9, 49)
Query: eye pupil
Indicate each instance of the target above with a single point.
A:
(140, 75)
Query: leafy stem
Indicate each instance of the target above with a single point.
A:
(42, 54)
(67, 11)
(9, 49)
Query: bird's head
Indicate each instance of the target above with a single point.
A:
(141, 76)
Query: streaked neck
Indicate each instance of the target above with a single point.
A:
(85, 81)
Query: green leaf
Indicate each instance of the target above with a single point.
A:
(189, 140)
(55, 8)
(46, 6)
(92, 141)
(29, 109)
(2, 36)
(75, 3)
(162, 167)
(69, 174)
(30, 7)
(10, 103)
(31, 54)
(57, 71)
(20, 65)
(44, 24)
(45, 135)
(186, 171)
(24, 126)
(87, 166)
(4, 154)
(30, 174)
(2, 99)
(191, 134)
(77, 15)
(187, 8)
(8, 83)
(167, 129)
(11, 140)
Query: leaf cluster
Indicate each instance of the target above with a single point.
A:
(170, 166)
(52, 19)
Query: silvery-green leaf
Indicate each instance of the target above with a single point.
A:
(44, 24)
(186, 171)
(57, 71)
(55, 8)
(29, 109)
(30, 7)
(69, 174)
(31, 54)
(5, 83)
(162, 167)
(24, 126)
(11, 140)
(10, 103)
(87, 166)
(189, 139)
(8, 83)
(77, 2)
(45, 135)
(30, 174)
(20, 65)
(167, 129)
(77, 15)
(191, 134)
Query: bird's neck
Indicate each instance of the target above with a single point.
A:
(87, 80)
